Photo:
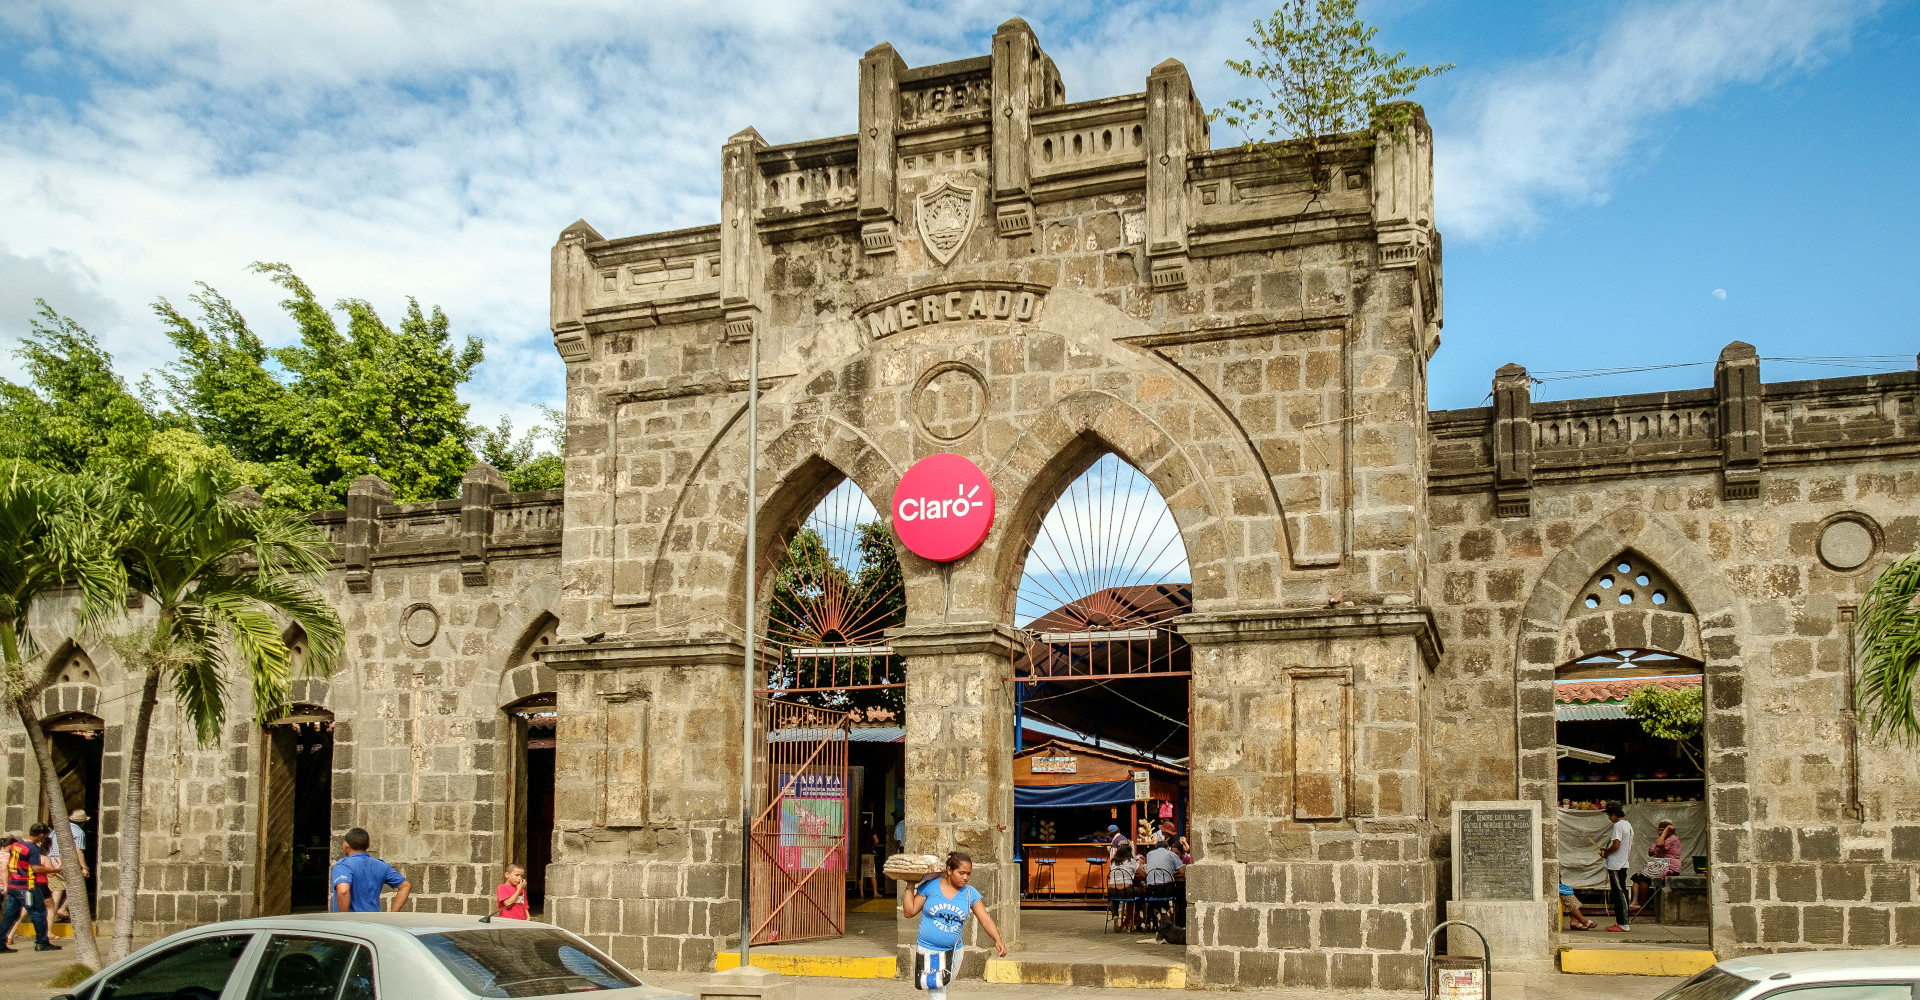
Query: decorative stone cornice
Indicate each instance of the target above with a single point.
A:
(1314, 624)
(960, 637)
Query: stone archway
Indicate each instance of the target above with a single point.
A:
(1543, 643)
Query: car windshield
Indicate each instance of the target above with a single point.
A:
(1714, 983)
(525, 963)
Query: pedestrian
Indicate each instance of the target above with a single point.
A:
(358, 878)
(512, 894)
(1570, 905)
(27, 868)
(78, 882)
(1618, 849)
(947, 900)
(1663, 861)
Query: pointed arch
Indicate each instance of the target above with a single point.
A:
(525, 676)
(1074, 433)
(301, 687)
(1540, 649)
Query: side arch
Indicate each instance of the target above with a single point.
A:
(524, 675)
(1720, 618)
(1068, 438)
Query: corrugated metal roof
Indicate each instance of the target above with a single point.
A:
(1590, 711)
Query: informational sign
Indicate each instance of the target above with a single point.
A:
(1142, 786)
(1055, 765)
(1460, 984)
(1495, 853)
(943, 507)
(813, 823)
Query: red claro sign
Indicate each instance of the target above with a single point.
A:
(943, 507)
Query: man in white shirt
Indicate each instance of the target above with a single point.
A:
(1618, 851)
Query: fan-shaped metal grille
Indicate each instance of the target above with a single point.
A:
(832, 594)
(1104, 573)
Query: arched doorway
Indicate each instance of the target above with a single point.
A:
(527, 697)
(832, 708)
(78, 746)
(296, 811)
(1104, 688)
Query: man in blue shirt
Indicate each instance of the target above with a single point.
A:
(359, 877)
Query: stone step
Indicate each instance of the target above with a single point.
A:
(1102, 975)
(1635, 961)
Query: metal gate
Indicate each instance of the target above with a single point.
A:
(800, 844)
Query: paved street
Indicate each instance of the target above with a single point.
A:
(1543, 987)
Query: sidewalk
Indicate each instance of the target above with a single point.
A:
(1551, 986)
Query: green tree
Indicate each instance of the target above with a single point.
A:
(56, 534)
(75, 413)
(1322, 76)
(531, 461)
(1670, 714)
(222, 574)
(337, 405)
(1886, 636)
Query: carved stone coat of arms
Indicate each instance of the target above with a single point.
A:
(945, 215)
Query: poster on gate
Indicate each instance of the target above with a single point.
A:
(813, 822)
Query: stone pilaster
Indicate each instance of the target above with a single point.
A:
(1020, 77)
(741, 288)
(1736, 380)
(481, 488)
(364, 499)
(1512, 442)
(1176, 129)
(880, 71)
(1311, 841)
(646, 850)
(959, 768)
(572, 290)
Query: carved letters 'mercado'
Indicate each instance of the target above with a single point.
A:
(945, 215)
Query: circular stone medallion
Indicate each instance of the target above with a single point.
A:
(1847, 544)
(950, 401)
(420, 624)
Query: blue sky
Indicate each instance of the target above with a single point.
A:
(1603, 167)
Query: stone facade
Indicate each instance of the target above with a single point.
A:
(1381, 595)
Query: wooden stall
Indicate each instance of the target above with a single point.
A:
(1077, 791)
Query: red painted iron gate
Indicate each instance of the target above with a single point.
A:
(800, 847)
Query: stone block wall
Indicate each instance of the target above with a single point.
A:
(1806, 813)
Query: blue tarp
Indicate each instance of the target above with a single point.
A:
(1092, 793)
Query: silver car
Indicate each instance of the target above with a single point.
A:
(366, 956)
(1808, 975)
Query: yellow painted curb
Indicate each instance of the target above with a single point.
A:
(833, 966)
(1634, 962)
(1150, 977)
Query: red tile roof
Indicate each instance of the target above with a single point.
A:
(1574, 692)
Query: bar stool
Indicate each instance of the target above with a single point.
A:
(1097, 876)
(1046, 865)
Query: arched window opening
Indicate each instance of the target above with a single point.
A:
(1103, 680)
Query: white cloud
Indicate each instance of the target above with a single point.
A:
(1560, 129)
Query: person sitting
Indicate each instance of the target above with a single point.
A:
(1663, 860)
(1126, 866)
(1570, 904)
(1161, 864)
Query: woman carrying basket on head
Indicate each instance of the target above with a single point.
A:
(942, 904)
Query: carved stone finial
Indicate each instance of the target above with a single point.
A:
(580, 232)
(748, 134)
(1739, 350)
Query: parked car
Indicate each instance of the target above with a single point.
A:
(1891, 974)
(366, 956)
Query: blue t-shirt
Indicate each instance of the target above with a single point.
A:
(941, 920)
(365, 875)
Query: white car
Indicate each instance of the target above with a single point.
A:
(1890, 974)
(366, 956)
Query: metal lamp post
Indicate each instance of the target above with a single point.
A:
(746, 673)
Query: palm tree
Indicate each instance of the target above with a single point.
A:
(55, 534)
(223, 574)
(1886, 633)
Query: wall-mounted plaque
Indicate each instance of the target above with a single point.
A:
(1496, 851)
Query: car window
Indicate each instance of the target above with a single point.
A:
(303, 967)
(525, 963)
(1844, 991)
(359, 984)
(196, 970)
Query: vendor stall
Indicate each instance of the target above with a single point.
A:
(1066, 794)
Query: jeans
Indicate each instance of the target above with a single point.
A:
(1617, 895)
(34, 902)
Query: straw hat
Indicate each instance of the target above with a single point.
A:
(78, 816)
